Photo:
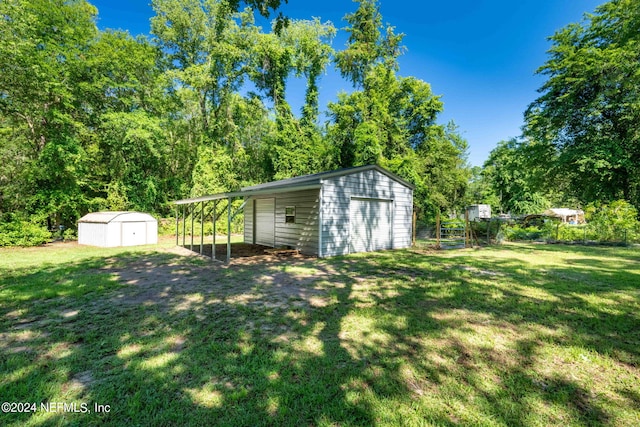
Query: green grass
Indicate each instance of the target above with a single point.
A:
(514, 335)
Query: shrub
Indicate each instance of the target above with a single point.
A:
(614, 222)
(69, 234)
(15, 231)
(516, 232)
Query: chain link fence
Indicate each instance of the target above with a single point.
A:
(497, 231)
(576, 234)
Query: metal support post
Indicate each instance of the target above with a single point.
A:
(177, 224)
(184, 225)
(201, 227)
(229, 230)
(213, 244)
(192, 223)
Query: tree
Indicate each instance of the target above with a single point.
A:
(589, 111)
(391, 120)
(445, 172)
(516, 170)
(310, 43)
(43, 44)
(208, 48)
(301, 49)
(480, 190)
(367, 125)
(369, 43)
(133, 156)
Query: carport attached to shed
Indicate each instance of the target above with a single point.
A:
(358, 209)
(111, 229)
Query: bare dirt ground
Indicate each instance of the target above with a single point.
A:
(240, 252)
(179, 279)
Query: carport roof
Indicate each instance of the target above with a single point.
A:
(305, 182)
(246, 193)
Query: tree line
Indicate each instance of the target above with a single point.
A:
(581, 139)
(96, 120)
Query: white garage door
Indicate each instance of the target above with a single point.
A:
(134, 233)
(265, 221)
(370, 225)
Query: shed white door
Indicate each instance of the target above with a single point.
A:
(134, 233)
(265, 221)
(370, 228)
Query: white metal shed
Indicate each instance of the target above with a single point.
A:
(358, 209)
(111, 229)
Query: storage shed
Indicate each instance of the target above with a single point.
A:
(358, 209)
(111, 229)
(333, 213)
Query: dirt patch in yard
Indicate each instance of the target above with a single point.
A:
(190, 280)
(241, 253)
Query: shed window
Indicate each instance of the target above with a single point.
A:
(290, 214)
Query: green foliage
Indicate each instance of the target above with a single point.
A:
(369, 44)
(214, 172)
(517, 232)
(588, 111)
(481, 190)
(18, 231)
(117, 199)
(614, 221)
(573, 233)
(391, 120)
(70, 234)
(516, 174)
(95, 120)
(132, 158)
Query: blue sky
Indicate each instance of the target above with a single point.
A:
(479, 55)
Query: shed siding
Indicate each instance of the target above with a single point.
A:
(114, 234)
(248, 222)
(301, 235)
(264, 221)
(337, 194)
(92, 234)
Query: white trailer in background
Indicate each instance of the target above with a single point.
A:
(477, 212)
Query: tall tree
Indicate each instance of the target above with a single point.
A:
(391, 120)
(301, 49)
(517, 171)
(589, 110)
(43, 44)
(208, 47)
(369, 43)
(366, 127)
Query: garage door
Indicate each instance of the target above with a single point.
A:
(370, 228)
(134, 233)
(265, 222)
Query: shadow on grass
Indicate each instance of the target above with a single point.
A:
(383, 338)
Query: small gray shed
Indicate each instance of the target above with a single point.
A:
(351, 210)
(111, 229)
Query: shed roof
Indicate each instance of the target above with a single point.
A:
(107, 217)
(317, 178)
(298, 183)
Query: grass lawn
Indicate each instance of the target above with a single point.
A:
(513, 335)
